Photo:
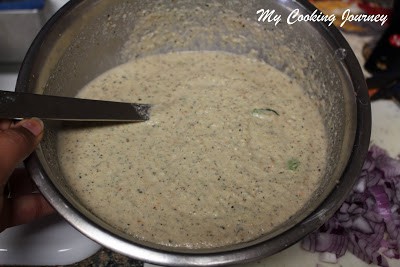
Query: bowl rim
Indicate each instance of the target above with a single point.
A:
(253, 252)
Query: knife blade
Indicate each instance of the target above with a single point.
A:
(18, 105)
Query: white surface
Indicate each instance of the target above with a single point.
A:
(386, 126)
(7, 81)
(49, 241)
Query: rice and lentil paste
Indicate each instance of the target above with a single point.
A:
(233, 149)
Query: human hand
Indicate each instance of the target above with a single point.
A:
(17, 141)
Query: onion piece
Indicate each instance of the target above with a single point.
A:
(360, 185)
(362, 225)
(369, 220)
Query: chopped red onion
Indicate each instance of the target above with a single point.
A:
(361, 224)
(368, 222)
(361, 185)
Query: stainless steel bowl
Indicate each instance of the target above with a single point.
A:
(86, 38)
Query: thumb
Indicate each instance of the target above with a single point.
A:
(16, 143)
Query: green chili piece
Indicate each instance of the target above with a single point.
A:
(293, 164)
(262, 111)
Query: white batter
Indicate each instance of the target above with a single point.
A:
(233, 149)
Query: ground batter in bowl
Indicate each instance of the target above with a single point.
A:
(232, 150)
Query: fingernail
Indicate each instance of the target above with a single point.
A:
(34, 125)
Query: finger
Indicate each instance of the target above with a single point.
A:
(5, 124)
(20, 183)
(16, 144)
(27, 208)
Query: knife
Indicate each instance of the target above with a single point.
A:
(18, 105)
